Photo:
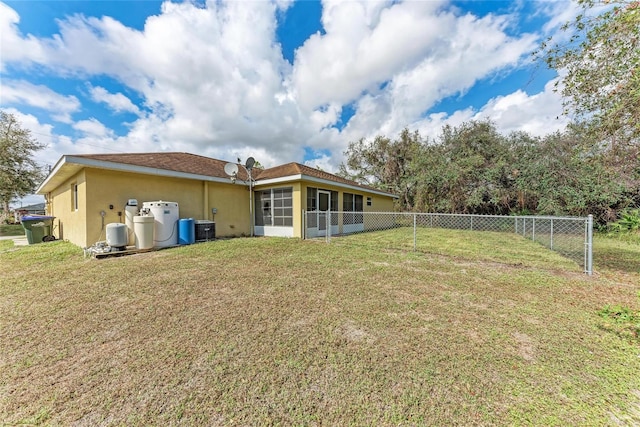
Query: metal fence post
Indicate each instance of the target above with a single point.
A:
(551, 236)
(328, 219)
(533, 230)
(415, 234)
(589, 264)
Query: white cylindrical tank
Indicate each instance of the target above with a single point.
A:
(130, 210)
(143, 230)
(117, 235)
(166, 215)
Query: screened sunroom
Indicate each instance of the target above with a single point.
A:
(295, 200)
(274, 212)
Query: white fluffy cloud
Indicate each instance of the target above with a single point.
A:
(39, 96)
(92, 127)
(17, 48)
(116, 101)
(365, 44)
(213, 79)
(537, 114)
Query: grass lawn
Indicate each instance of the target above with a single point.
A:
(5, 244)
(11, 230)
(473, 329)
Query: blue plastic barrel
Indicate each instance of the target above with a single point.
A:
(186, 231)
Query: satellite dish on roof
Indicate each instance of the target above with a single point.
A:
(231, 169)
(250, 162)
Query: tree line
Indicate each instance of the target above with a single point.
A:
(593, 167)
(473, 168)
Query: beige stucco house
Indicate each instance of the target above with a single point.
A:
(86, 192)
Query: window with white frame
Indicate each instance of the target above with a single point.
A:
(274, 207)
(74, 196)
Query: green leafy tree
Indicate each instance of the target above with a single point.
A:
(565, 173)
(384, 163)
(600, 65)
(19, 173)
(467, 170)
(434, 179)
(473, 168)
(525, 155)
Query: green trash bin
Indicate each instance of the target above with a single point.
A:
(37, 228)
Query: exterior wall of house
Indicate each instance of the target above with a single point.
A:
(378, 203)
(115, 188)
(108, 191)
(299, 204)
(69, 223)
(231, 201)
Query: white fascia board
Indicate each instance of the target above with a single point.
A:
(278, 180)
(301, 177)
(55, 170)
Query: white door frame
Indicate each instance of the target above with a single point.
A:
(322, 217)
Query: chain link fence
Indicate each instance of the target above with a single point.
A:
(571, 237)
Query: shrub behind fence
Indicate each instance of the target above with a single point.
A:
(572, 237)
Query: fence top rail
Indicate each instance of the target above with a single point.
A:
(565, 218)
(569, 218)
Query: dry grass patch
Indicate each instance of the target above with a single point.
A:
(279, 331)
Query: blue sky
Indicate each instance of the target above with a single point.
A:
(280, 81)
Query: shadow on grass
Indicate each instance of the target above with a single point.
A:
(628, 332)
(618, 255)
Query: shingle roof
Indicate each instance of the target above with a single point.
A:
(206, 166)
(178, 162)
(290, 169)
